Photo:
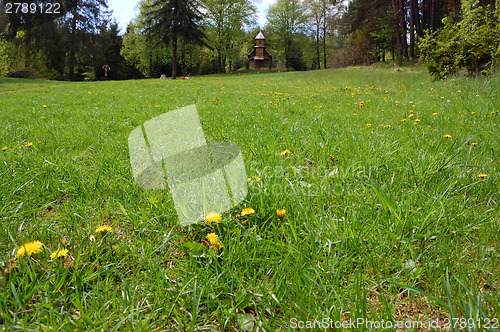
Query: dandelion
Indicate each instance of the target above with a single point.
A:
(388, 126)
(104, 229)
(4, 148)
(417, 120)
(411, 115)
(482, 175)
(59, 253)
(214, 240)
(434, 113)
(247, 211)
(44, 106)
(281, 213)
(30, 248)
(285, 152)
(29, 144)
(257, 179)
(368, 124)
(213, 216)
(447, 136)
(474, 143)
(403, 120)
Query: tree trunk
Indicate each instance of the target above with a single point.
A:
(71, 60)
(324, 39)
(317, 49)
(150, 59)
(412, 28)
(418, 20)
(433, 7)
(403, 27)
(398, 35)
(174, 56)
(183, 58)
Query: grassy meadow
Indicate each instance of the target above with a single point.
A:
(391, 186)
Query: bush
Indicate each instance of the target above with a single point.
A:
(468, 44)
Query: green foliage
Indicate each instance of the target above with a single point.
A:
(4, 56)
(468, 44)
(287, 21)
(226, 20)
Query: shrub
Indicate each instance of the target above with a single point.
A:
(468, 44)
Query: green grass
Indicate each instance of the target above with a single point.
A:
(385, 220)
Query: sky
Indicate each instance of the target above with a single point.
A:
(125, 10)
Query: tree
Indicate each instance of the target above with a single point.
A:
(319, 13)
(171, 19)
(468, 44)
(368, 27)
(286, 19)
(141, 47)
(32, 39)
(226, 19)
(84, 17)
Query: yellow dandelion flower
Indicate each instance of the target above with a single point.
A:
(281, 213)
(472, 112)
(285, 152)
(474, 143)
(447, 136)
(247, 211)
(29, 144)
(59, 253)
(44, 106)
(411, 115)
(249, 179)
(213, 216)
(30, 248)
(104, 229)
(417, 120)
(482, 175)
(257, 179)
(388, 126)
(4, 148)
(368, 124)
(403, 120)
(214, 240)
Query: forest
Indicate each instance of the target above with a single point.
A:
(197, 37)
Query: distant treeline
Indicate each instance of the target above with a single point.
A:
(73, 39)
